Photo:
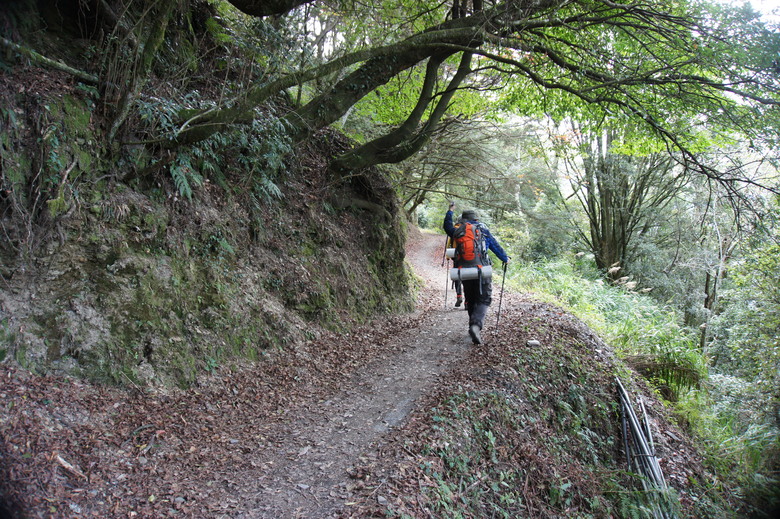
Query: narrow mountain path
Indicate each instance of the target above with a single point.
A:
(317, 447)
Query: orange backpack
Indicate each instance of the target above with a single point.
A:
(469, 245)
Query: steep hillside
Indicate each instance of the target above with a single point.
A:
(132, 261)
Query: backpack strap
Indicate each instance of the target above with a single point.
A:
(483, 253)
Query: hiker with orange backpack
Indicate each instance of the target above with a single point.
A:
(472, 241)
(456, 283)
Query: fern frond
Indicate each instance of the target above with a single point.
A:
(182, 183)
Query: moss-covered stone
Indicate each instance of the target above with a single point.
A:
(123, 283)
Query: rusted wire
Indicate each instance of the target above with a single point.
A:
(640, 452)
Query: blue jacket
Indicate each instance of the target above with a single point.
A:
(490, 241)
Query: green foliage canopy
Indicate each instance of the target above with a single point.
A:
(674, 66)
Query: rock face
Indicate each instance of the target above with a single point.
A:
(114, 275)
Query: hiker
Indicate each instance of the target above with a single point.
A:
(458, 284)
(478, 291)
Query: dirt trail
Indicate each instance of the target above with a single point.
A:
(308, 473)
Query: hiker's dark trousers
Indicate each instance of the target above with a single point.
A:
(477, 301)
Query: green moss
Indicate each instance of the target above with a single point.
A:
(308, 250)
(156, 220)
(50, 330)
(7, 339)
(77, 115)
(20, 355)
(15, 165)
(57, 206)
(85, 160)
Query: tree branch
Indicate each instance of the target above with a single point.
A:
(43, 60)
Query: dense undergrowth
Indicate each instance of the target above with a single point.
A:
(724, 413)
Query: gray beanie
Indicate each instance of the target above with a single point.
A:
(469, 215)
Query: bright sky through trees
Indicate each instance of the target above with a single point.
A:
(770, 9)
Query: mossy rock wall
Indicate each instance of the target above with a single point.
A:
(128, 283)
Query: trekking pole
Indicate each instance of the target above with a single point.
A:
(501, 298)
(446, 287)
(443, 262)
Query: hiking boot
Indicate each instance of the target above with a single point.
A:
(476, 336)
(458, 301)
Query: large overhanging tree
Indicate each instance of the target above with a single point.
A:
(677, 66)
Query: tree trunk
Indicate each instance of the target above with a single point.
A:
(267, 7)
(363, 154)
(140, 74)
(404, 142)
(711, 285)
(328, 107)
(379, 66)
